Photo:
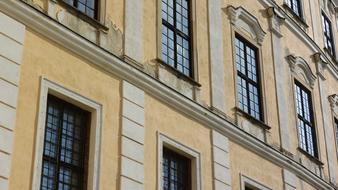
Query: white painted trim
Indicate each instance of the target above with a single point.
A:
(246, 181)
(164, 141)
(49, 87)
(110, 63)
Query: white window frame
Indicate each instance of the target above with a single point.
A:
(246, 181)
(193, 155)
(49, 87)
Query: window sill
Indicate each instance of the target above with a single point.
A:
(252, 119)
(300, 20)
(178, 74)
(312, 158)
(95, 23)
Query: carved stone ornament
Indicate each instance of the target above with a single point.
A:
(243, 20)
(321, 65)
(276, 21)
(333, 99)
(301, 68)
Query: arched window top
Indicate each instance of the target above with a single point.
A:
(301, 68)
(246, 22)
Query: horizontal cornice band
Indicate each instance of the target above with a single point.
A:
(56, 32)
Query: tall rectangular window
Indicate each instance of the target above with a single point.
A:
(88, 7)
(328, 36)
(65, 147)
(295, 6)
(176, 40)
(176, 171)
(248, 88)
(336, 128)
(306, 128)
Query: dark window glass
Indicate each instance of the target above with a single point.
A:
(295, 6)
(328, 37)
(305, 123)
(176, 171)
(176, 35)
(88, 7)
(247, 78)
(65, 147)
(248, 188)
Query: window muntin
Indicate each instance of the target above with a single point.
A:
(295, 6)
(247, 78)
(176, 41)
(305, 123)
(175, 171)
(65, 145)
(328, 36)
(88, 7)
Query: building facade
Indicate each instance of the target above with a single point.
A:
(168, 94)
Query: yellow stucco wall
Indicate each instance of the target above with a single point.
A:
(44, 58)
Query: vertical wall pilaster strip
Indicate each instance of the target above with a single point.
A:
(328, 127)
(221, 162)
(132, 139)
(216, 55)
(12, 35)
(133, 47)
(281, 77)
(290, 180)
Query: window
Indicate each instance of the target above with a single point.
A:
(176, 171)
(176, 40)
(336, 128)
(65, 147)
(295, 6)
(305, 123)
(248, 188)
(328, 36)
(247, 78)
(88, 7)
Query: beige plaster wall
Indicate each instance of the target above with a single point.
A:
(43, 58)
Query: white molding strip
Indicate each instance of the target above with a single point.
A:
(193, 155)
(221, 161)
(68, 39)
(12, 34)
(49, 87)
(132, 139)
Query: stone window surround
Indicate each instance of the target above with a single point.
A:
(246, 181)
(49, 87)
(193, 79)
(328, 17)
(165, 141)
(300, 19)
(262, 123)
(240, 20)
(333, 100)
(295, 78)
(99, 22)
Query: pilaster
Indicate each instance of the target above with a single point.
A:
(221, 162)
(132, 139)
(12, 35)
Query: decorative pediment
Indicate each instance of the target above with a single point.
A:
(333, 99)
(246, 22)
(301, 68)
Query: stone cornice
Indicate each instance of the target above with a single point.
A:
(54, 31)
